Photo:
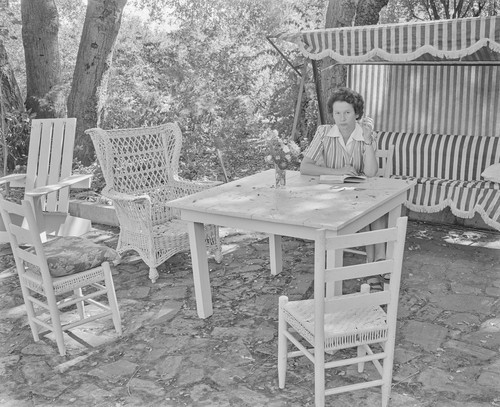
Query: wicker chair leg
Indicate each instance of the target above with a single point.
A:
(218, 255)
(153, 274)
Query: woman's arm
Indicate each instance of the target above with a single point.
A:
(370, 164)
(309, 167)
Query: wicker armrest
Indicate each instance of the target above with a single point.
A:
(131, 210)
(184, 187)
(120, 196)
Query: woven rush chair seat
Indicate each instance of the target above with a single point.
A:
(364, 321)
(59, 273)
(343, 329)
(140, 167)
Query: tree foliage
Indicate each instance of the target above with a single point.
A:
(207, 65)
(411, 10)
(213, 71)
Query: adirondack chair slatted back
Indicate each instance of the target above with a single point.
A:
(50, 159)
(142, 160)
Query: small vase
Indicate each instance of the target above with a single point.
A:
(280, 177)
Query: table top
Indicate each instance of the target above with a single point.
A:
(302, 202)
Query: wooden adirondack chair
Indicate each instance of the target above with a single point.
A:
(48, 178)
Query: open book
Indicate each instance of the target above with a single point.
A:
(340, 179)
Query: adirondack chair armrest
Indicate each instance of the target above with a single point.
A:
(78, 180)
(71, 181)
(15, 180)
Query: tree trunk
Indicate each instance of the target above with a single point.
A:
(40, 30)
(368, 11)
(88, 91)
(343, 13)
(340, 13)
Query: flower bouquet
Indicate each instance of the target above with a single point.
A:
(281, 152)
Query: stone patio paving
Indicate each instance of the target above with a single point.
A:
(447, 345)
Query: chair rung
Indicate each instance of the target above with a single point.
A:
(86, 320)
(351, 361)
(352, 387)
(98, 304)
(303, 349)
(355, 251)
(74, 300)
(47, 326)
(38, 302)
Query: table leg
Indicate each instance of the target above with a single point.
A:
(392, 219)
(201, 276)
(275, 254)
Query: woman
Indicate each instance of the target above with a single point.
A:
(345, 148)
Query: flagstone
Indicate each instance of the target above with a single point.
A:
(168, 367)
(177, 292)
(460, 288)
(464, 303)
(463, 321)
(472, 350)
(114, 371)
(493, 291)
(434, 379)
(402, 355)
(490, 340)
(50, 388)
(428, 336)
(490, 376)
(8, 361)
(189, 376)
(145, 386)
(167, 312)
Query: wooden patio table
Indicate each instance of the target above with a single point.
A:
(297, 210)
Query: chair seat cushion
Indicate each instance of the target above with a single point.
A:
(71, 255)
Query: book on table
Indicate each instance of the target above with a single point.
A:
(340, 179)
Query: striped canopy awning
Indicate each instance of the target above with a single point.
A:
(468, 39)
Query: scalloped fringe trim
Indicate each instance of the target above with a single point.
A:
(456, 211)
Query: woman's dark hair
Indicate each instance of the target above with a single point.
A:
(349, 96)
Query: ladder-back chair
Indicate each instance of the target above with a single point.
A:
(58, 273)
(140, 167)
(48, 177)
(364, 321)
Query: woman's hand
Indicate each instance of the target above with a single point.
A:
(367, 126)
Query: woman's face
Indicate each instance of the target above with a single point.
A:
(344, 115)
